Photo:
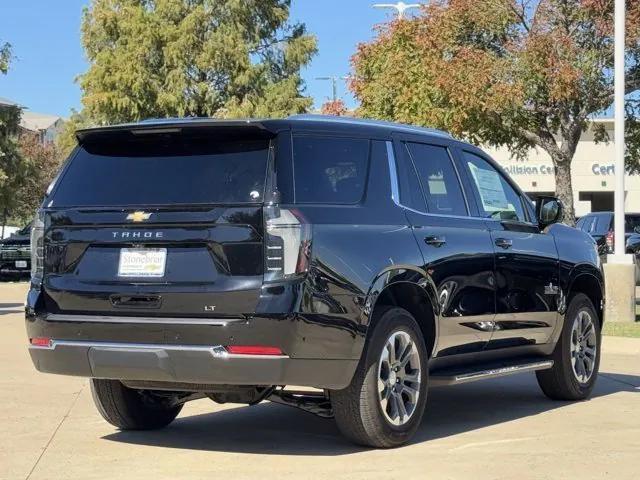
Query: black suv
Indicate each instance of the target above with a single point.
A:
(15, 254)
(242, 260)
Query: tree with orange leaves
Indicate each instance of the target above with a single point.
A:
(334, 107)
(515, 73)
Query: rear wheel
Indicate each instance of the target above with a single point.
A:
(384, 404)
(576, 356)
(130, 409)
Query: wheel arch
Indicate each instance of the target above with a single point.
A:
(590, 284)
(416, 295)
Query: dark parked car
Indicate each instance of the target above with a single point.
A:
(600, 226)
(15, 254)
(235, 260)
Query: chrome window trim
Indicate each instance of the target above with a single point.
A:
(393, 174)
(55, 317)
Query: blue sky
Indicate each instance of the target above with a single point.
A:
(45, 35)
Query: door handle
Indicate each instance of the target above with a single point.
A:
(435, 240)
(504, 243)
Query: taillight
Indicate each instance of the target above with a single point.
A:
(609, 240)
(287, 246)
(254, 350)
(40, 341)
(37, 247)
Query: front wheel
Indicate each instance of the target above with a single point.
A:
(130, 409)
(384, 404)
(576, 356)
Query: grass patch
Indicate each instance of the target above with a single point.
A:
(631, 330)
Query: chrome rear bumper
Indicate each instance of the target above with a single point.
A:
(187, 363)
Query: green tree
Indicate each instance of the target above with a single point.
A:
(515, 73)
(12, 171)
(66, 141)
(220, 58)
(5, 57)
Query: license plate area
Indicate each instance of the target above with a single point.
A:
(142, 262)
(21, 264)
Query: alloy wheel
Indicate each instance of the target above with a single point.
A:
(399, 376)
(583, 346)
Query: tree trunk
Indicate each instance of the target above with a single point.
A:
(4, 222)
(564, 189)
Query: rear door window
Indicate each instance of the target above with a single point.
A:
(410, 190)
(329, 169)
(438, 178)
(165, 170)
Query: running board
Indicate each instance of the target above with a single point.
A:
(450, 378)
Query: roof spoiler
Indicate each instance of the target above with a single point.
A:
(165, 126)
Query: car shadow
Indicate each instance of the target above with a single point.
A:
(278, 430)
(6, 308)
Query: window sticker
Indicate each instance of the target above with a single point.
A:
(437, 185)
(490, 189)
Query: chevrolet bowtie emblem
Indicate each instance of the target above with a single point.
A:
(138, 216)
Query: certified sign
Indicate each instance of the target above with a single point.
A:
(142, 262)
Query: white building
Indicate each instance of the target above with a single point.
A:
(592, 172)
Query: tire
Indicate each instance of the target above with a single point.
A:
(636, 262)
(128, 409)
(358, 409)
(564, 381)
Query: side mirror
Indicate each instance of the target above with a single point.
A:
(548, 211)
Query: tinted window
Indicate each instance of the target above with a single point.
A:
(632, 223)
(603, 224)
(438, 178)
(495, 196)
(165, 170)
(329, 170)
(410, 190)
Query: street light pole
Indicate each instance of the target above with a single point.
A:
(399, 7)
(619, 67)
(334, 85)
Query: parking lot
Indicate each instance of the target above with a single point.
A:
(495, 429)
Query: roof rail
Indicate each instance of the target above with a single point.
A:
(373, 123)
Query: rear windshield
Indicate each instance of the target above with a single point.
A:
(164, 170)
